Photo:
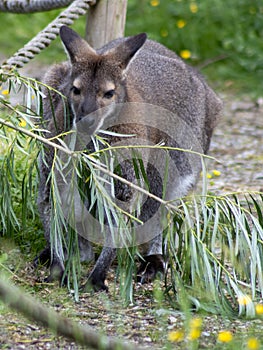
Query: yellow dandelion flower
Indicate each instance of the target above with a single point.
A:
(176, 336)
(181, 23)
(22, 123)
(193, 7)
(253, 344)
(216, 172)
(259, 309)
(194, 333)
(164, 33)
(196, 322)
(185, 54)
(225, 336)
(5, 92)
(244, 300)
(208, 176)
(155, 3)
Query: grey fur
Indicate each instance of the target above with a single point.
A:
(140, 70)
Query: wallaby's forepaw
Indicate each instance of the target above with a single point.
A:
(95, 284)
(150, 267)
(56, 269)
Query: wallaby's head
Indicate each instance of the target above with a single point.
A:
(97, 80)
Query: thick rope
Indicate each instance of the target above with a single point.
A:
(29, 6)
(44, 38)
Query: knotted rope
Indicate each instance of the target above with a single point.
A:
(44, 38)
(30, 6)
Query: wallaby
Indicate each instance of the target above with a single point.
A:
(126, 70)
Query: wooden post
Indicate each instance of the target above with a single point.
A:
(105, 22)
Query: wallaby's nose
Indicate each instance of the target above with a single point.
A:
(88, 121)
(88, 106)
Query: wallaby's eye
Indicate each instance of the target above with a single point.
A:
(75, 90)
(109, 94)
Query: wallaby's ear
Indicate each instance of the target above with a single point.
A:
(76, 47)
(124, 52)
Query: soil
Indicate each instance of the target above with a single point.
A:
(237, 145)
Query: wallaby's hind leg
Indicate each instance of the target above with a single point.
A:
(96, 279)
(153, 263)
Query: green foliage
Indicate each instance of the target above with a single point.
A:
(17, 173)
(21, 28)
(216, 254)
(224, 37)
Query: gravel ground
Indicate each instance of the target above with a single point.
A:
(238, 146)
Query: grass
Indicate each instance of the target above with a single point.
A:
(149, 320)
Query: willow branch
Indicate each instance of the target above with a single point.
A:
(14, 298)
(42, 139)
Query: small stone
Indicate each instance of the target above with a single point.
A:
(172, 319)
(242, 106)
(260, 101)
(206, 334)
(147, 339)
